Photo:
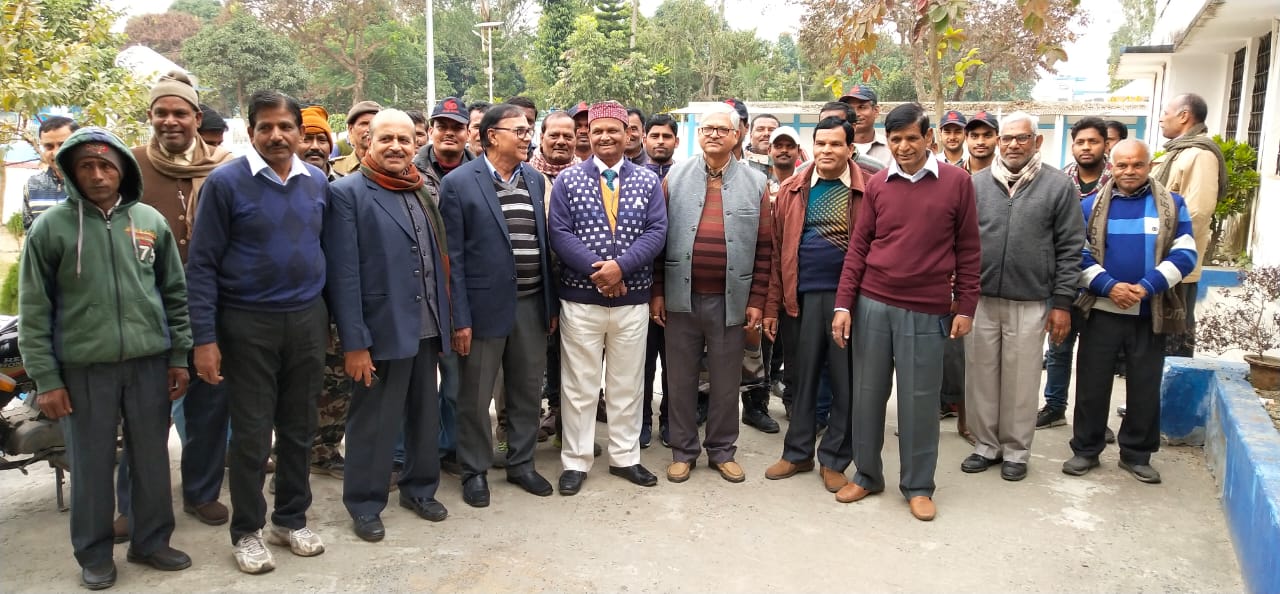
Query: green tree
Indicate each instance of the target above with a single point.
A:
(702, 52)
(1138, 17)
(554, 27)
(205, 10)
(164, 32)
(612, 15)
(604, 67)
(239, 56)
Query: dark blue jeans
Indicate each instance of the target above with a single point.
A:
(1057, 365)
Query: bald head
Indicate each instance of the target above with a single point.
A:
(391, 140)
(1130, 165)
(387, 116)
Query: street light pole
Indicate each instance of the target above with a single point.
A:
(486, 39)
(431, 56)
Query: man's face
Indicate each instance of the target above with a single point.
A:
(1018, 142)
(50, 142)
(473, 131)
(981, 142)
(449, 137)
(953, 138)
(608, 137)
(276, 135)
(359, 133)
(660, 143)
(508, 142)
(420, 134)
(910, 147)
(97, 179)
(867, 114)
(1113, 136)
(717, 134)
(784, 151)
(1088, 148)
(635, 133)
(174, 122)
(1174, 120)
(213, 138)
(760, 132)
(831, 151)
(530, 114)
(583, 132)
(315, 148)
(1130, 168)
(391, 144)
(557, 140)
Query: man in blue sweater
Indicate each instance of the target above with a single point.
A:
(1139, 246)
(256, 271)
(607, 223)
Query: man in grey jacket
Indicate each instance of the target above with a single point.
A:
(1032, 233)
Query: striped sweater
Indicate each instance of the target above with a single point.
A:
(1132, 225)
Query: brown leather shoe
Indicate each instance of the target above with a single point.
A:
(678, 472)
(922, 508)
(786, 469)
(120, 529)
(730, 471)
(852, 492)
(212, 513)
(833, 479)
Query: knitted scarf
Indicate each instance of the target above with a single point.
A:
(548, 168)
(1073, 171)
(1168, 311)
(204, 159)
(1196, 137)
(411, 180)
(1015, 181)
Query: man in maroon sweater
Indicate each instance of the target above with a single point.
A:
(917, 226)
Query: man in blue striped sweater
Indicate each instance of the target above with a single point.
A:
(1139, 246)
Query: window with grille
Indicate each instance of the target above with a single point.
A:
(1237, 87)
(1259, 97)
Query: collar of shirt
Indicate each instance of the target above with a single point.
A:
(617, 167)
(845, 178)
(930, 166)
(493, 171)
(183, 158)
(257, 164)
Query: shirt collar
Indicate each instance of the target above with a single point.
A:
(617, 167)
(930, 166)
(493, 171)
(185, 157)
(845, 178)
(257, 164)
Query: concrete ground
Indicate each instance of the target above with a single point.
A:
(1104, 532)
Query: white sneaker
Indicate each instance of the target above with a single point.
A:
(252, 556)
(303, 542)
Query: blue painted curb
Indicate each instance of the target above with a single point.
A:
(1243, 451)
(1216, 276)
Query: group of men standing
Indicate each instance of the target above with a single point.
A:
(397, 284)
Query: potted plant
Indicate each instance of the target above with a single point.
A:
(1248, 319)
(1241, 163)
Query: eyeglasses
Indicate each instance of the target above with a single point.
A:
(1020, 139)
(714, 131)
(519, 132)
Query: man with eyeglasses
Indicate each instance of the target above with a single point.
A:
(504, 298)
(712, 285)
(1032, 233)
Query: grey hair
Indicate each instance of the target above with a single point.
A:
(1126, 144)
(1021, 116)
(726, 109)
(388, 115)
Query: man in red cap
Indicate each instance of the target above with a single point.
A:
(951, 131)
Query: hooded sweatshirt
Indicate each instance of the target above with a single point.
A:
(100, 288)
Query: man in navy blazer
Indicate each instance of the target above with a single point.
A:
(504, 299)
(388, 291)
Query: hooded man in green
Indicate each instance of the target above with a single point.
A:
(104, 333)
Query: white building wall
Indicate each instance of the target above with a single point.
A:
(1266, 216)
(1208, 75)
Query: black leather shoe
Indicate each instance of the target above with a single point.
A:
(165, 559)
(475, 491)
(99, 577)
(369, 528)
(425, 507)
(532, 482)
(571, 481)
(637, 474)
(977, 463)
(1142, 472)
(1013, 471)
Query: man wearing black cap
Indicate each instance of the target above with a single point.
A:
(213, 128)
(980, 141)
(866, 104)
(582, 148)
(952, 132)
(449, 135)
(358, 119)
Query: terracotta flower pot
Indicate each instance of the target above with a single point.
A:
(1264, 372)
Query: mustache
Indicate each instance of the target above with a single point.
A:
(315, 153)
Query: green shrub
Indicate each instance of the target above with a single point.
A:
(9, 292)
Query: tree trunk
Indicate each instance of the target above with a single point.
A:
(635, 16)
(935, 76)
(240, 97)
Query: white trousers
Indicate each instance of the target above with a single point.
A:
(1003, 356)
(595, 339)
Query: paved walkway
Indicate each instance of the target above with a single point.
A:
(1051, 532)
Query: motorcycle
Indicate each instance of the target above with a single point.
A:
(24, 430)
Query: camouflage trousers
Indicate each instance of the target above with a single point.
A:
(334, 400)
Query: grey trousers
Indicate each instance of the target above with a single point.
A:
(405, 396)
(887, 338)
(1002, 376)
(136, 389)
(687, 333)
(523, 358)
